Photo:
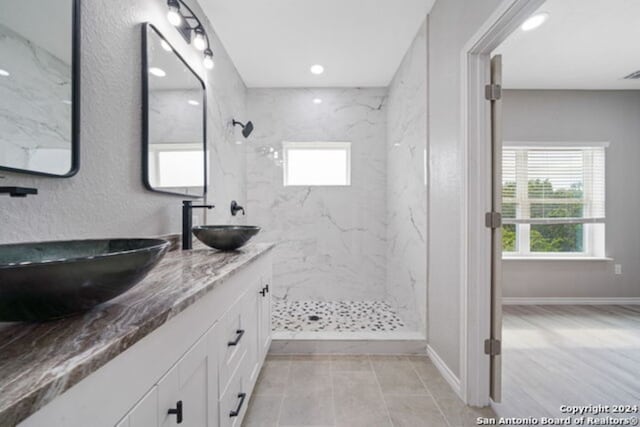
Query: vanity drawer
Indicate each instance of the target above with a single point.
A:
(234, 402)
(235, 336)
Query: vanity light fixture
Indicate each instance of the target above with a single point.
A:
(158, 72)
(173, 15)
(208, 59)
(535, 21)
(191, 29)
(317, 69)
(4, 73)
(199, 42)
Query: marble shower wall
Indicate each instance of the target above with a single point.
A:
(331, 240)
(407, 186)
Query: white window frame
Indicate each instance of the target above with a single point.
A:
(592, 233)
(315, 145)
(159, 147)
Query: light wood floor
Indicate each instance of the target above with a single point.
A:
(575, 355)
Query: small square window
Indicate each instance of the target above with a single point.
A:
(317, 163)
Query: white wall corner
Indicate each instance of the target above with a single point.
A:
(444, 370)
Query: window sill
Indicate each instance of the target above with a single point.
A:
(555, 258)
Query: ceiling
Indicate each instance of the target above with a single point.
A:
(585, 44)
(46, 23)
(359, 42)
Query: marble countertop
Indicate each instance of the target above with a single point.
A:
(40, 361)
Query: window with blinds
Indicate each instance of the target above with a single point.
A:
(553, 199)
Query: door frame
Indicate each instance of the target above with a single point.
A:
(475, 131)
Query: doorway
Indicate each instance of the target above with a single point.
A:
(558, 218)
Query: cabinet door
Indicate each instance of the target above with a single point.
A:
(145, 413)
(183, 393)
(264, 317)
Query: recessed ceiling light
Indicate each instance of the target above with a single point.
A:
(158, 72)
(535, 21)
(317, 101)
(193, 102)
(165, 45)
(317, 69)
(4, 73)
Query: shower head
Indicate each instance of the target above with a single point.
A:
(246, 128)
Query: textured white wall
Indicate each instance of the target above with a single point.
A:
(107, 198)
(406, 186)
(558, 115)
(451, 24)
(331, 240)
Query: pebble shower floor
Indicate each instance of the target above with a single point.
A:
(335, 316)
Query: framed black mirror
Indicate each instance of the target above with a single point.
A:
(40, 87)
(174, 120)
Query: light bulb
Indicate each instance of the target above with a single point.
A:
(173, 15)
(199, 41)
(317, 101)
(208, 59)
(4, 73)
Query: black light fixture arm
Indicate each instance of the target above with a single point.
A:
(191, 17)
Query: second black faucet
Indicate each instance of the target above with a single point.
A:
(187, 222)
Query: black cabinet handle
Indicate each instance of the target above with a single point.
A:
(240, 333)
(235, 413)
(267, 288)
(177, 411)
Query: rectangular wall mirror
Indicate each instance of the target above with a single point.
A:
(174, 125)
(39, 86)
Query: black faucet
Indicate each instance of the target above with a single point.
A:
(187, 222)
(235, 207)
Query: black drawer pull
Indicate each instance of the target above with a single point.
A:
(240, 333)
(235, 413)
(177, 412)
(267, 288)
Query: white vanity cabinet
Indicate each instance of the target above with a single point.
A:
(196, 370)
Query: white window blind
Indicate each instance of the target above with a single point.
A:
(553, 185)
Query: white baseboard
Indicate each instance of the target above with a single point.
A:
(444, 370)
(570, 301)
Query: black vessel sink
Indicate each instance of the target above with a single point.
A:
(225, 237)
(50, 280)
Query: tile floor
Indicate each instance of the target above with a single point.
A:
(337, 316)
(353, 391)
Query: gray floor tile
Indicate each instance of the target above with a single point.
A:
(413, 411)
(358, 400)
(397, 376)
(263, 411)
(307, 409)
(348, 363)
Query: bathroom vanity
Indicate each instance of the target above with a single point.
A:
(183, 347)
